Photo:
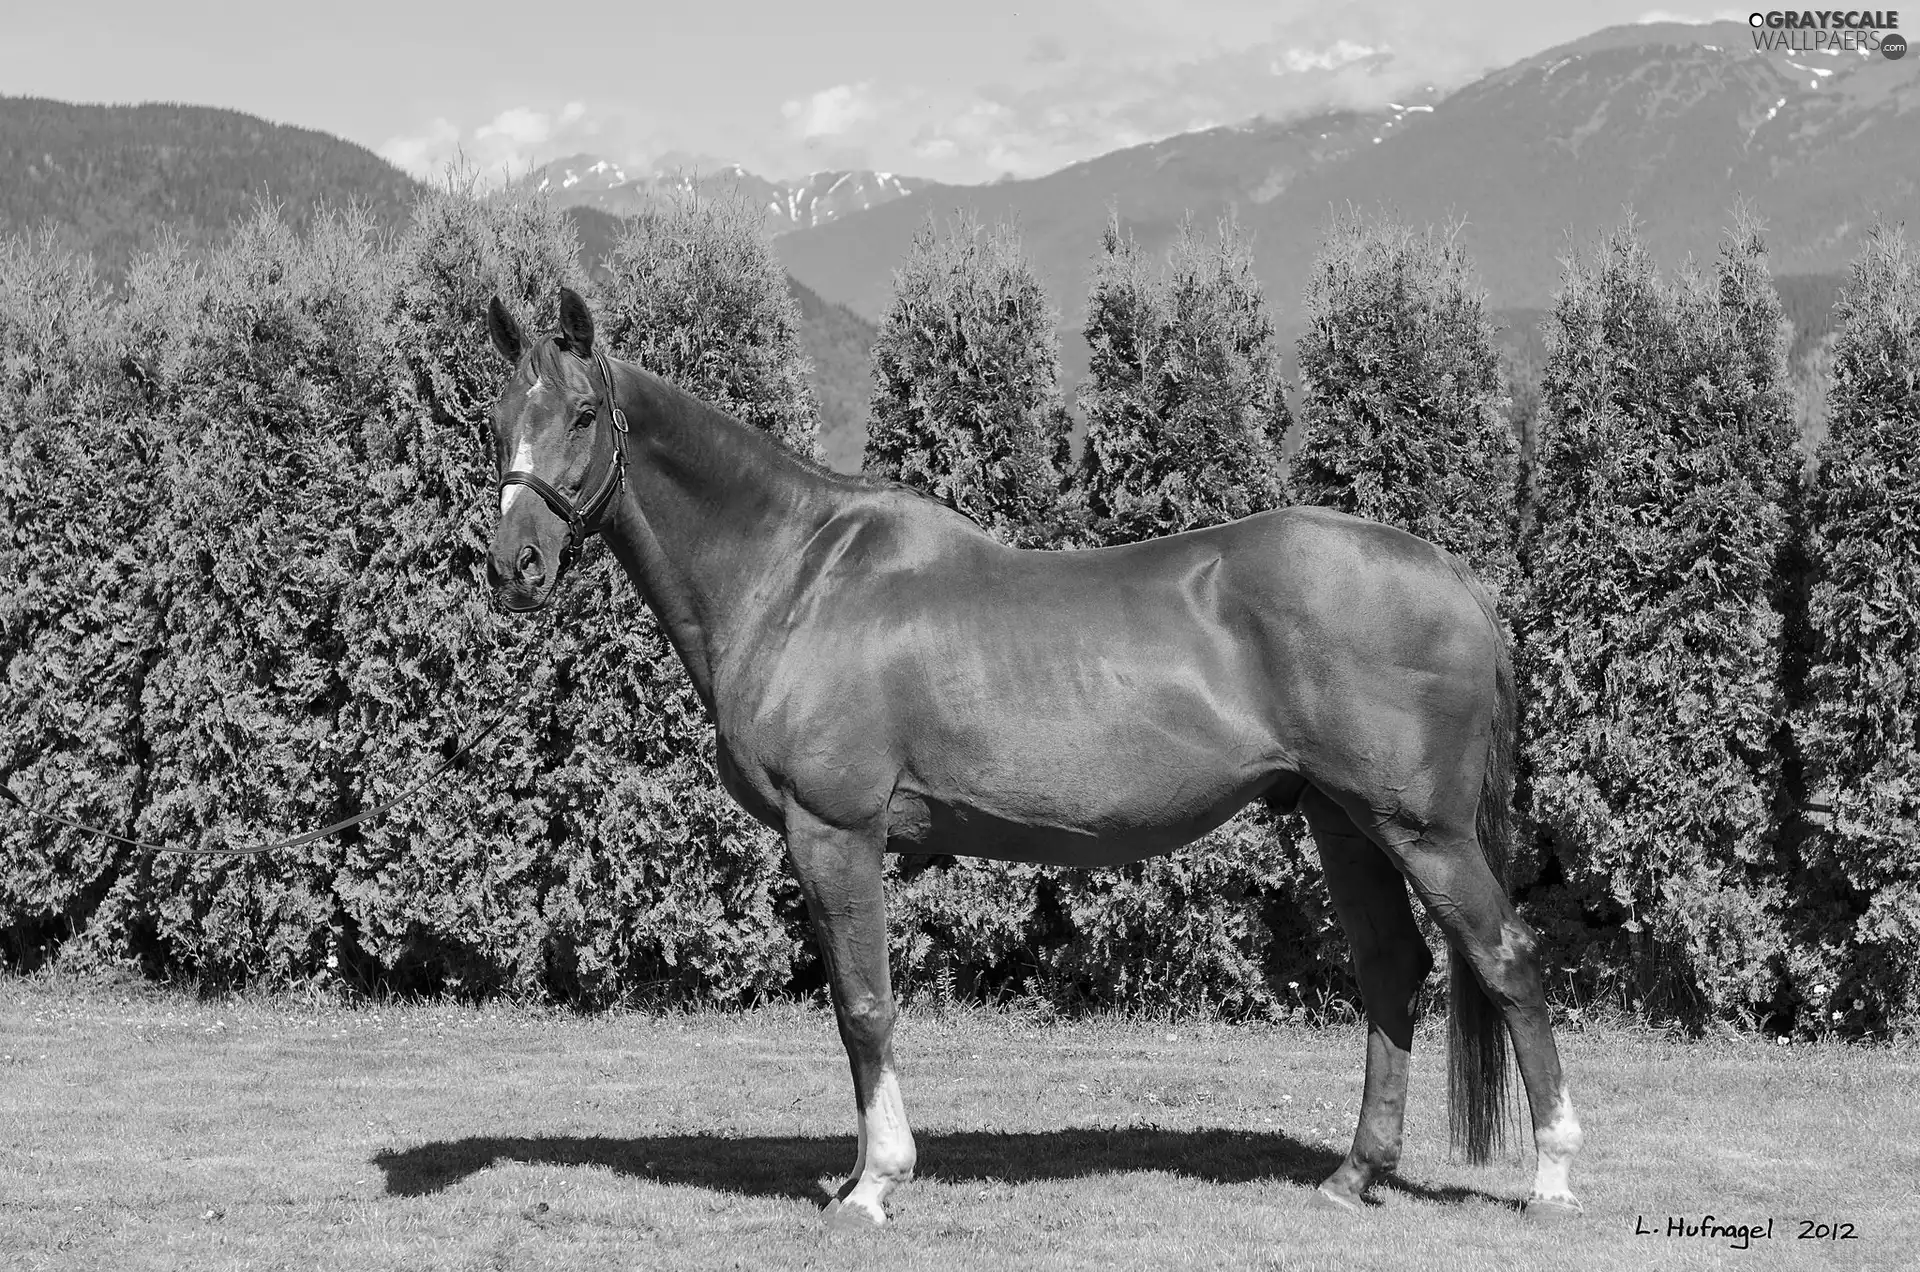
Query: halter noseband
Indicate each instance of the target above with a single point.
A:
(579, 517)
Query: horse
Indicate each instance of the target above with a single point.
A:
(883, 675)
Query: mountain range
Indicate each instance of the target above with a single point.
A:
(837, 342)
(605, 185)
(1673, 122)
(109, 181)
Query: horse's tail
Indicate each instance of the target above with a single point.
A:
(1479, 1108)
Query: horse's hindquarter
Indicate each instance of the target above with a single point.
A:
(1096, 706)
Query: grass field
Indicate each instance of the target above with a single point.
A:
(146, 1129)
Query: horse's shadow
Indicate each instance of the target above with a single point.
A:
(791, 1166)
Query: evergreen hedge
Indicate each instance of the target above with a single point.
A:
(702, 903)
(966, 372)
(283, 504)
(1650, 643)
(1402, 411)
(1856, 956)
(1186, 413)
(244, 510)
(78, 619)
(967, 409)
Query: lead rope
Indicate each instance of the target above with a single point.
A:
(562, 591)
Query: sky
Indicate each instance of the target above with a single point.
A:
(961, 90)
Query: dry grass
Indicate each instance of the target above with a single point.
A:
(142, 1129)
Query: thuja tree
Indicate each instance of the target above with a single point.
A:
(278, 375)
(966, 398)
(450, 890)
(1185, 416)
(1403, 408)
(1402, 401)
(667, 881)
(1649, 641)
(78, 623)
(967, 409)
(694, 293)
(1184, 402)
(1859, 958)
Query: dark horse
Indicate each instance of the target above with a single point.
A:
(883, 675)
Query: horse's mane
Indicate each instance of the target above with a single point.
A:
(689, 403)
(549, 355)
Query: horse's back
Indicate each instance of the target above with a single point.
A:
(1087, 706)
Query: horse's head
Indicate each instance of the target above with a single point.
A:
(557, 442)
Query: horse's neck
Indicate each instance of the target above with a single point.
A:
(713, 515)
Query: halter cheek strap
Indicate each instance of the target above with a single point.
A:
(580, 516)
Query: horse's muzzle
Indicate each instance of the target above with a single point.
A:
(523, 585)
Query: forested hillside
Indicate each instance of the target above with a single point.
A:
(111, 180)
(837, 341)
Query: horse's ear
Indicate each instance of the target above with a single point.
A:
(576, 322)
(505, 332)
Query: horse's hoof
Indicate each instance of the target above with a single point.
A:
(1553, 1209)
(1334, 1199)
(844, 1218)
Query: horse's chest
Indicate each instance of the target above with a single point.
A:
(746, 779)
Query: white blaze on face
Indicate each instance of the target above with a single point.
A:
(523, 454)
(522, 462)
(886, 1149)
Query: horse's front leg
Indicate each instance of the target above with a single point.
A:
(839, 872)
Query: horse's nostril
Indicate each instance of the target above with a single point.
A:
(529, 562)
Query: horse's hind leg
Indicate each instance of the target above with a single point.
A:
(839, 873)
(1448, 872)
(1390, 960)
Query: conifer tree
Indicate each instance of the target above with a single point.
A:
(1649, 642)
(1402, 400)
(966, 367)
(78, 615)
(278, 377)
(693, 293)
(1185, 414)
(1860, 733)
(967, 409)
(450, 890)
(1184, 403)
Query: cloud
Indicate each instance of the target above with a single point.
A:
(1064, 112)
(425, 151)
(1152, 68)
(517, 126)
(831, 112)
(512, 142)
(1664, 15)
(1047, 50)
(1148, 73)
(1331, 58)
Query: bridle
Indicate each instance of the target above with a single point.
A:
(581, 516)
